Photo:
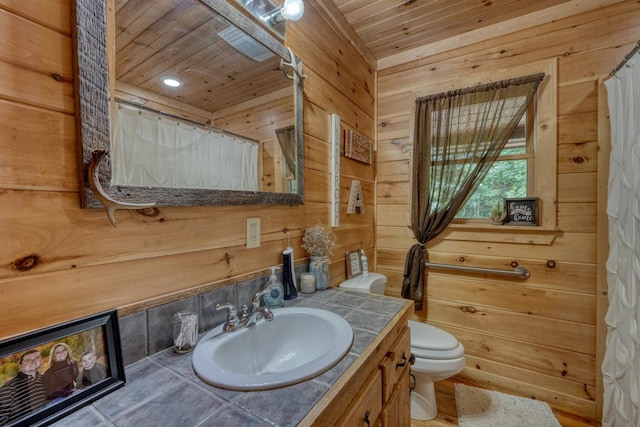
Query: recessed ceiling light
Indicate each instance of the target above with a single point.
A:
(171, 82)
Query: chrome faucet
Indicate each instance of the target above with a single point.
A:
(248, 316)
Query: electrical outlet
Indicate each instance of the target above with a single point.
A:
(253, 233)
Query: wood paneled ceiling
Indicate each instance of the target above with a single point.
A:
(187, 41)
(388, 27)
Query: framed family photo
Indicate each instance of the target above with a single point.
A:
(52, 372)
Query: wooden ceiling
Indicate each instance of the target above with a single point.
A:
(388, 27)
(182, 39)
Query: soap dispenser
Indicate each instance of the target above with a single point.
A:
(365, 263)
(274, 297)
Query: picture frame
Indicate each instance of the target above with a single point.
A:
(57, 388)
(522, 211)
(354, 266)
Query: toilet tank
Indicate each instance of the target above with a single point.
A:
(371, 283)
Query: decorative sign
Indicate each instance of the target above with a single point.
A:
(354, 266)
(355, 205)
(357, 147)
(521, 211)
(335, 170)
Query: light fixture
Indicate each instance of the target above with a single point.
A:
(291, 10)
(171, 82)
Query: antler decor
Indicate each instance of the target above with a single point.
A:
(110, 205)
(296, 67)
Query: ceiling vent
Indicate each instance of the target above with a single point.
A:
(245, 44)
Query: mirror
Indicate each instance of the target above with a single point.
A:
(232, 80)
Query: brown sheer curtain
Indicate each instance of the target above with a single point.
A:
(286, 139)
(458, 136)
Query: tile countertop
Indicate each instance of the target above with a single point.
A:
(163, 389)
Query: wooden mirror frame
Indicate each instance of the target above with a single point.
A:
(94, 122)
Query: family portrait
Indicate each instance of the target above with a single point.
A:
(44, 375)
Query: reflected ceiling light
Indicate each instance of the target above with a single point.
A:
(291, 10)
(171, 82)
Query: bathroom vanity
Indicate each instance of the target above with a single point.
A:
(371, 383)
(374, 391)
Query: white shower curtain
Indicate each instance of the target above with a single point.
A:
(151, 151)
(621, 364)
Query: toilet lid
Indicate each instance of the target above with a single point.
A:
(428, 337)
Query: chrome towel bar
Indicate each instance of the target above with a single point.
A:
(519, 272)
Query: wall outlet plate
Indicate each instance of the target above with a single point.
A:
(253, 233)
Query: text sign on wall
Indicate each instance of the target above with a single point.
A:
(521, 211)
(358, 147)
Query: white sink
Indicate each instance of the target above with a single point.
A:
(298, 344)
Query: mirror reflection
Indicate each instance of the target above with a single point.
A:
(201, 109)
(182, 61)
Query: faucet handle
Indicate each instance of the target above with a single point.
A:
(228, 305)
(255, 302)
(232, 316)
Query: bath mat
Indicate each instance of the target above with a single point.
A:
(478, 407)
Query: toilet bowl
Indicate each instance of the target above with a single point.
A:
(438, 354)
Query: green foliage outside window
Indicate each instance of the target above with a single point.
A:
(505, 179)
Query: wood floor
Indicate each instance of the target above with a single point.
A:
(447, 415)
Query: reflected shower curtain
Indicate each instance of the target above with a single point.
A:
(149, 150)
(621, 364)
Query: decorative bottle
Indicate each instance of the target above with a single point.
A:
(289, 275)
(365, 263)
(274, 297)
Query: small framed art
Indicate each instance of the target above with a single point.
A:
(354, 267)
(523, 211)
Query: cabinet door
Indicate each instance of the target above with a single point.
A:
(396, 391)
(366, 407)
(397, 410)
(394, 365)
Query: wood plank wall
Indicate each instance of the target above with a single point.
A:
(537, 337)
(59, 262)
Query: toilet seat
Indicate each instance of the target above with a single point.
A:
(429, 342)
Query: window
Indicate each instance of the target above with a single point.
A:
(512, 175)
(542, 179)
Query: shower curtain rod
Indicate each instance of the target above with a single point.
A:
(626, 58)
(519, 272)
(182, 119)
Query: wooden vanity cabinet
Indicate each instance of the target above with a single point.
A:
(374, 390)
(384, 400)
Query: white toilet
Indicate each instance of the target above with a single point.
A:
(438, 354)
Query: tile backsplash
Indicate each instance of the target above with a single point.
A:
(147, 332)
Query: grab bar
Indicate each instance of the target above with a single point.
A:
(519, 272)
